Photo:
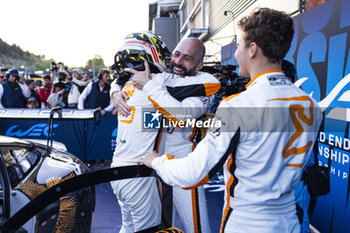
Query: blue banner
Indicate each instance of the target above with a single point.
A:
(320, 51)
(82, 137)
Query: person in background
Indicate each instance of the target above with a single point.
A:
(45, 91)
(56, 97)
(96, 94)
(2, 78)
(76, 87)
(12, 93)
(33, 92)
(86, 77)
(32, 102)
(289, 70)
(258, 142)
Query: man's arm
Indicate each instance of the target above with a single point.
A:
(25, 89)
(83, 96)
(80, 83)
(209, 155)
(170, 107)
(1, 94)
(110, 107)
(118, 98)
(173, 109)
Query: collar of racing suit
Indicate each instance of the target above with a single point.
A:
(256, 78)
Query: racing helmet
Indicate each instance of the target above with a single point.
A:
(137, 48)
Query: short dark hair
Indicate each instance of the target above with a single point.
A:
(47, 77)
(102, 72)
(271, 30)
(29, 81)
(60, 85)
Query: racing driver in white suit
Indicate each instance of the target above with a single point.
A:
(265, 139)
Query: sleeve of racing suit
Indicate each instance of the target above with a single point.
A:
(171, 108)
(209, 155)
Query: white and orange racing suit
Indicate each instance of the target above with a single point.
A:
(178, 99)
(266, 135)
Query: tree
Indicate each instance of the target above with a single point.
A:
(97, 62)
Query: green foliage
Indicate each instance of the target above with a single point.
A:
(97, 62)
(14, 56)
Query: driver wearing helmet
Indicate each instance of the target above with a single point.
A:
(180, 95)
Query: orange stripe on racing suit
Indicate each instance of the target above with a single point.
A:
(211, 88)
(228, 195)
(166, 114)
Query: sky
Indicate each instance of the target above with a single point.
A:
(72, 31)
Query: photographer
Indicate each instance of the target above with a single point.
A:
(12, 93)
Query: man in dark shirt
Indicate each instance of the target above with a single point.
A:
(96, 94)
(13, 94)
(33, 92)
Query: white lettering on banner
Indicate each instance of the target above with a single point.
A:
(336, 155)
(330, 139)
(338, 141)
(336, 172)
(335, 140)
(346, 144)
(322, 137)
(345, 158)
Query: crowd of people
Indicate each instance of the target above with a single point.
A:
(73, 90)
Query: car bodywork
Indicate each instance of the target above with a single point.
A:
(30, 168)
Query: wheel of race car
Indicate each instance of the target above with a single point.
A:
(84, 213)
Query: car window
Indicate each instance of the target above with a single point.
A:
(19, 162)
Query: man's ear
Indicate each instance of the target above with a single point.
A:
(253, 49)
(200, 66)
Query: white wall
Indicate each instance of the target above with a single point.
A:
(224, 37)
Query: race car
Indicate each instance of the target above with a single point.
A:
(29, 168)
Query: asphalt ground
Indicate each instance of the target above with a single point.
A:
(107, 215)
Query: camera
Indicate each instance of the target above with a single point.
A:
(61, 76)
(3, 69)
(231, 82)
(54, 66)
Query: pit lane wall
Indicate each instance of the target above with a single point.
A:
(76, 130)
(321, 52)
